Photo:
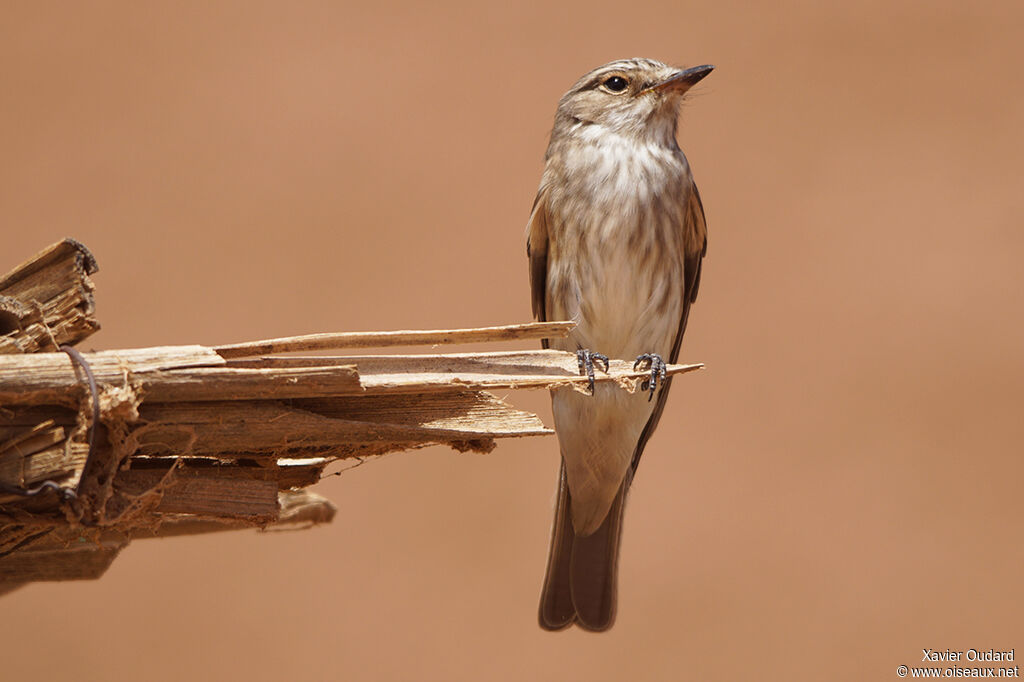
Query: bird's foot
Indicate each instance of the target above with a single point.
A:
(657, 367)
(585, 360)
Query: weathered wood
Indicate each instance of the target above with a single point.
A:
(203, 493)
(232, 383)
(53, 378)
(316, 427)
(289, 344)
(296, 508)
(284, 472)
(196, 373)
(194, 439)
(47, 552)
(16, 420)
(34, 455)
(301, 427)
(248, 417)
(529, 369)
(533, 369)
(48, 300)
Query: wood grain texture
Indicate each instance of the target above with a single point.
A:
(195, 439)
(534, 369)
(329, 341)
(47, 301)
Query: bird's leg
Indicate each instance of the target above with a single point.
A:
(657, 367)
(585, 360)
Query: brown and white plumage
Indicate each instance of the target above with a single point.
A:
(615, 242)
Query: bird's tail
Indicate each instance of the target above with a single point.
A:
(580, 586)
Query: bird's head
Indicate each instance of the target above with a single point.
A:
(635, 98)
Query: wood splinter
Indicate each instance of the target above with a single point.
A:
(194, 439)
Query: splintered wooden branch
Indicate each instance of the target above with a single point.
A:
(195, 373)
(332, 341)
(194, 439)
(47, 301)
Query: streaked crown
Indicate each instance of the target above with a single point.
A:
(636, 98)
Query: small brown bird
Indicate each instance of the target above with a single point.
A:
(615, 241)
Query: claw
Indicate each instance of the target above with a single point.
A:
(585, 361)
(658, 371)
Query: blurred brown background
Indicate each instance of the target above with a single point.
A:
(838, 490)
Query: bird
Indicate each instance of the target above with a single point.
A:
(615, 241)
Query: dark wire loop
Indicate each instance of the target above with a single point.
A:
(67, 493)
(77, 357)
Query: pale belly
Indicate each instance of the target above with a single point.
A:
(624, 305)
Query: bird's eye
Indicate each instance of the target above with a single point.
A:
(616, 84)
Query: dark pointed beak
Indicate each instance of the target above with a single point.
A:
(682, 81)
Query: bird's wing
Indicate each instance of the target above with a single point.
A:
(695, 242)
(537, 252)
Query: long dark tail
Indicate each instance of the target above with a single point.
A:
(580, 586)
